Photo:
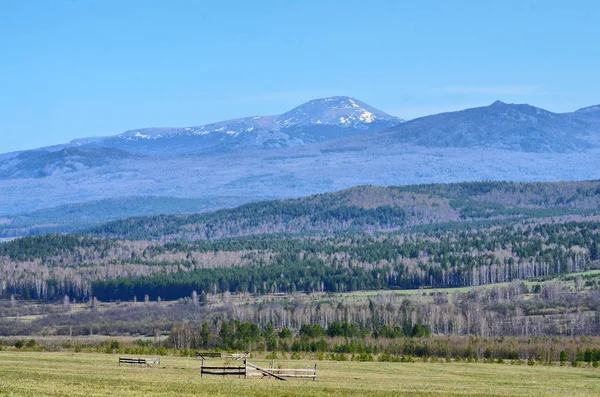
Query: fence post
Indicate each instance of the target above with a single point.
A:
(315, 377)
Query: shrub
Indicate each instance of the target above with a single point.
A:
(362, 357)
(384, 358)
(285, 333)
(563, 357)
(142, 343)
(487, 353)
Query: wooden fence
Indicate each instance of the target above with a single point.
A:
(308, 373)
(225, 356)
(250, 369)
(223, 370)
(139, 361)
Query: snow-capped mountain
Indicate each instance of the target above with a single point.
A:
(314, 121)
(497, 142)
(338, 111)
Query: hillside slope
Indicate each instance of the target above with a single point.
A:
(369, 209)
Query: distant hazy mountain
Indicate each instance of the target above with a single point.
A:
(497, 142)
(503, 126)
(590, 115)
(41, 163)
(589, 111)
(71, 217)
(314, 121)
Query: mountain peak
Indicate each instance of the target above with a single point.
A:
(518, 127)
(335, 101)
(588, 109)
(314, 121)
(524, 109)
(336, 110)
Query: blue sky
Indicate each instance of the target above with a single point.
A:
(75, 68)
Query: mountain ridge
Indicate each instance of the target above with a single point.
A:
(313, 121)
(34, 180)
(501, 125)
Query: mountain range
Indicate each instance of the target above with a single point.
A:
(314, 121)
(323, 145)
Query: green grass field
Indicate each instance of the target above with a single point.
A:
(79, 374)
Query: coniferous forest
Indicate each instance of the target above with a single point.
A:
(519, 258)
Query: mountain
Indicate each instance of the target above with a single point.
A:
(41, 163)
(590, 110)
(589, 115)
(502, 126)
(315, 121)
(69, 218)
(497, 142)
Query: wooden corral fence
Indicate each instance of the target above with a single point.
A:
(225, 356)
(308, 373)
(249, 369)
(139, 361)
(223, 370)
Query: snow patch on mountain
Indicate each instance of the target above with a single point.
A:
(336, 111)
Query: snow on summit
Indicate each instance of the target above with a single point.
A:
(314, 121)
(337, 111)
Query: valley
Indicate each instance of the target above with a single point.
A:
(308, 198)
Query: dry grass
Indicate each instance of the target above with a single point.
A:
(77, 374)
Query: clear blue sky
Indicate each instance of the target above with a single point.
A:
(76, 68)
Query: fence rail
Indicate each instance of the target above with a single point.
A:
(309, 373)
(232, 356)
(139, 361)
(223, 370)
(250, 369)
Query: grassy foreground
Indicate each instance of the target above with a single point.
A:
(78, 374)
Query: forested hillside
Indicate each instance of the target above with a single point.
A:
(369, 209)
(365, 238)
(54, 266)
(308, 250)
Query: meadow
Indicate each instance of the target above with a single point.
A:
(83, 374)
